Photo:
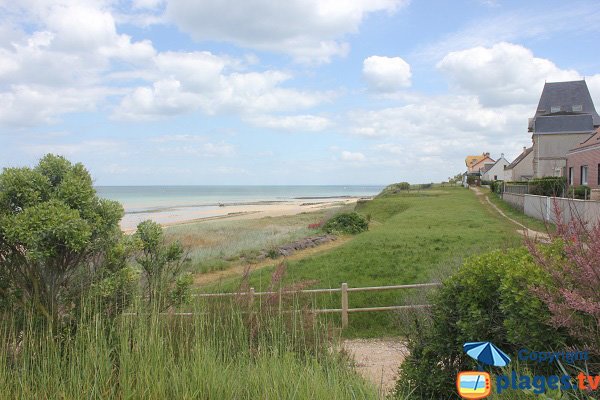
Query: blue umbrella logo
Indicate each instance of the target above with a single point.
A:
(486, 353)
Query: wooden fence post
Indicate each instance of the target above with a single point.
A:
(251, 300)
(344, 305)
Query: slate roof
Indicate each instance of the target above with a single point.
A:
(566, 95)
(564, 123)
(520, 158)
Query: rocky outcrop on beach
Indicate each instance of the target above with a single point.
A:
(289, 249)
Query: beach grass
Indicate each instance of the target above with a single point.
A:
(219, 244)
(414, 237)
(210, 355)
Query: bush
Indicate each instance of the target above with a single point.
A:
(581, 192)
(351, 223)
(496, 186)
(488, 299)
(548, 186)
(55, 236)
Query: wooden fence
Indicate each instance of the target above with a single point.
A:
(344, 289)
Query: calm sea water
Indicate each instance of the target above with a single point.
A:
(137, 199)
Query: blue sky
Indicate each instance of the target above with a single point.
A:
(272, 92)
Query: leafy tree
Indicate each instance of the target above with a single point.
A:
(55, 234)
(161, 266)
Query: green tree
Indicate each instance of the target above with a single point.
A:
(55, 234)
(162, 265)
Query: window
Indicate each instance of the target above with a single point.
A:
(495, 177)
(572, 175)
(577, 108)
(555, 109)
(584, 174)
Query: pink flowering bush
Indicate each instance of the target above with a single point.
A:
(572, 262)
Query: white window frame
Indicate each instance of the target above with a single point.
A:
(584, 174)
(577, 108)
(554, 109)
(571, 176)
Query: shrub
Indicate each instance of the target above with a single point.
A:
(55, 234)
(161, 265)
(351, 223)
(487, 299)
(581, 192)
(573, 266)
(548, 186)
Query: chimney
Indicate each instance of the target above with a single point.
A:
(501, 155)
(524, 149)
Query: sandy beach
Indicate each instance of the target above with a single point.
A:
(191, 214)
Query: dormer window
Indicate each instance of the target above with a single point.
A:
(554, 109)
(577, 108)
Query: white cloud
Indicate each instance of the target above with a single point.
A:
(386, 74)
(528, 22)
(193, 144)
(28, 105)
(298, 123)
(60, 66)
(502, 74)
(88, 147)
(352, 156)
(185, 82)
(308, 30)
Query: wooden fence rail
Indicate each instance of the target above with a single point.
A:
(344, 289)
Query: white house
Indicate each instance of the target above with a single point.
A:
(496, 172)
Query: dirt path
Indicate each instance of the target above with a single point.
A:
(525, 231)
(238, 270)
(377, 360)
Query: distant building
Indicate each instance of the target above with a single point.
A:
(521, 169)
(583, 162)
(477, 163)
(565, 117)
(495, 171)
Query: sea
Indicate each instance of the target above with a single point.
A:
(168, 204)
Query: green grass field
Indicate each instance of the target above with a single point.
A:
(413, 238)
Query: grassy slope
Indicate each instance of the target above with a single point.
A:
(416, 237)
(220, 244)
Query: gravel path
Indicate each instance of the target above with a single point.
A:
(377, 360)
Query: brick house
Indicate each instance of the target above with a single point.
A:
(583, 163)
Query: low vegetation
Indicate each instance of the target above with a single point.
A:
(81, 310)
(346, 223)
(220, 244)
(414, 237)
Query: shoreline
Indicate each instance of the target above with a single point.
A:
(181, 215)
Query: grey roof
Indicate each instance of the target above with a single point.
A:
(566, 95)
(563, 123)
(520, 158)
(487, 167)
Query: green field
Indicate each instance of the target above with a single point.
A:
(413, 238)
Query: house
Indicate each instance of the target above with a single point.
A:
(583, 162)
(564, 118)
(496, 171)
(521, 169)
(476, 163)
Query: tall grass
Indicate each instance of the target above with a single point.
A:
(215, 245)
(219, 352)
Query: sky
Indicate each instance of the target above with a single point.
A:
(269, 92)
